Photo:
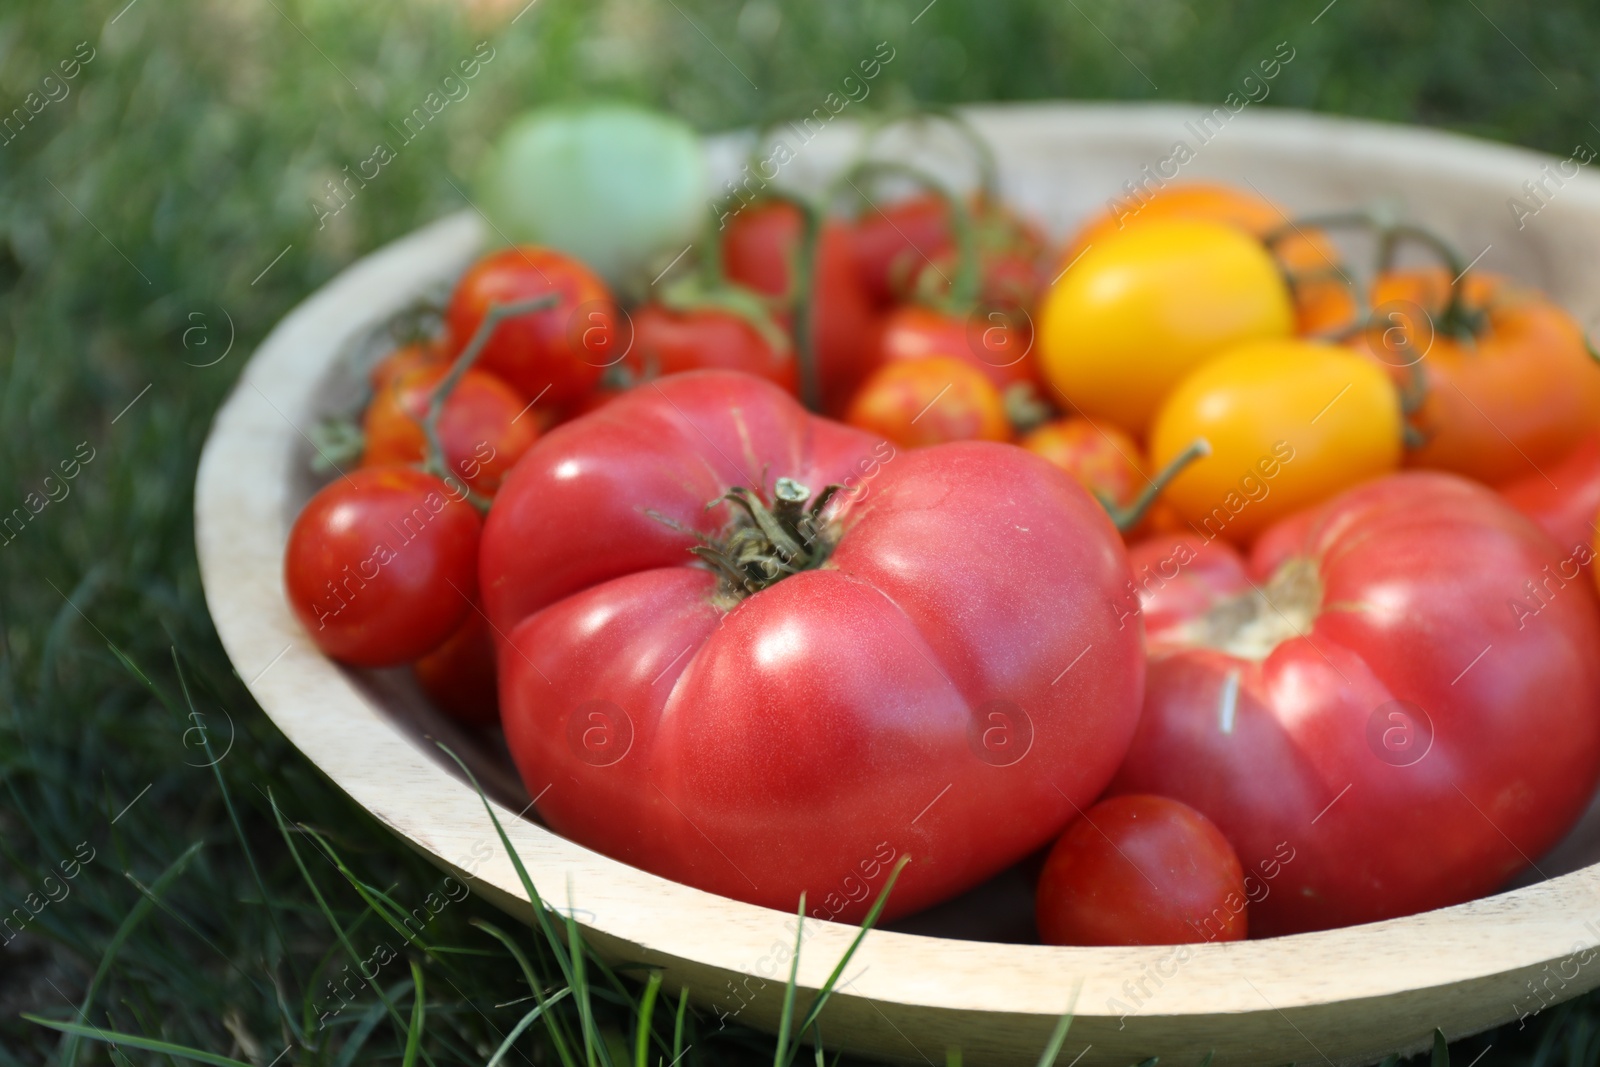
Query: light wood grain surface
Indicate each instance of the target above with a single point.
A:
(1344, 996)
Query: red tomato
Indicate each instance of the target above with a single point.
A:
(801, 736)
(758, 250)
(995, 346)
(553, 356)
(1565, 498)
(891, 244)
(668, 342)
(459, 675)
(1141, 870)
(1386, 700)
(484, 428)
(381, 564)
(930, 402)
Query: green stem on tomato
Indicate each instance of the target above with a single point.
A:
(982, 153)
(434, 461)
(1457, 319)
(802, 295)
(1126, 518)
(963, 295)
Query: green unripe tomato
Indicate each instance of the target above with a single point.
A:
(613, 184)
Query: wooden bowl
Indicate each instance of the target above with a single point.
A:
(1348, 995)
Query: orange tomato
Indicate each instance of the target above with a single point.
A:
(483, 427)
(1515, 395)
(405, 358)
(1290, 423)
(1321, 302)
(928, 402)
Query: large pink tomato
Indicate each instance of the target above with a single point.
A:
(1399, 689)
(790, 688)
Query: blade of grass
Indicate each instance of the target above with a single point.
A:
(338, 928)
(137, 915)
(149, 1044)
(866, 925)
(419, 1010)
(1058, 1037)
(540, 913)
(238, 826)
(553, 1023)
(677, 1026)
(522, 1024)
(593, 1048)
(647, 1007)
(367, 1023)
(780, 1054)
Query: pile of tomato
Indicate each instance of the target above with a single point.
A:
(1229, 585)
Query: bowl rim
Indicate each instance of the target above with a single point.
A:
(242, 514)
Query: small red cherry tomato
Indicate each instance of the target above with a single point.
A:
(459, 675)
(666, 341)
(484, 427)
(1103, 459)
(996, 346)
(555, 355)
(928, 402)
(381, 565)
(1141, 870)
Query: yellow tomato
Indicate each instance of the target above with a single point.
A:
(1145, 306)
(1290, 423)
(917, 402)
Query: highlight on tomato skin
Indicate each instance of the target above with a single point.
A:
(381, 565)
(1142, 870)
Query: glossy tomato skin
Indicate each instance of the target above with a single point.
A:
(670, 342)
(484, 427)
(997, 347)
(1139, 311)
(805, 728)
(1141, 870)
(758, 251)
(1289, 422)
(1423, 737)
(554, 356)
(1499, 407)
(381, 564)
(930, 401)
(1564, 499)
(459, 675)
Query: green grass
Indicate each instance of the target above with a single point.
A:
(163, 207)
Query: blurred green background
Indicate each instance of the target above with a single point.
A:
(156, 206)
